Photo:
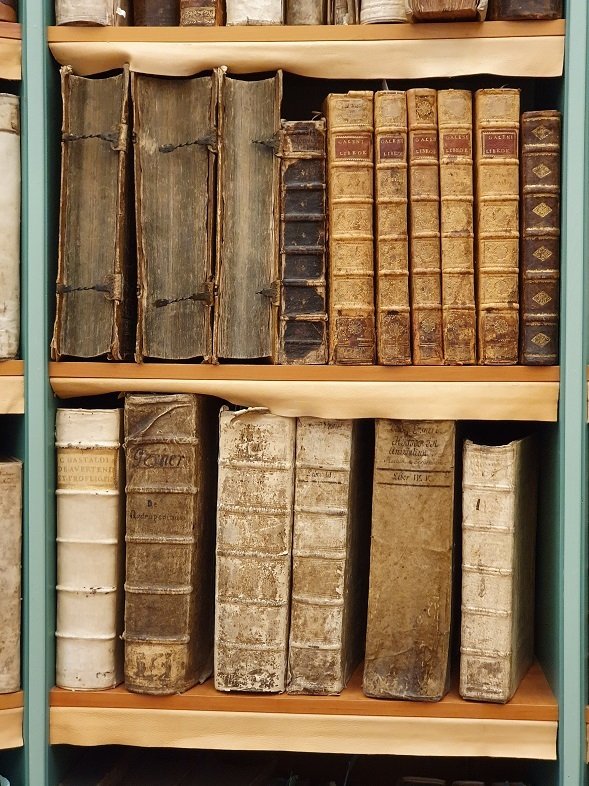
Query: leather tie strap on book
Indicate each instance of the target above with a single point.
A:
(208, 140)
(272, 292)
(271, 143)
(111, 288)
(116, 137)
(206, 296)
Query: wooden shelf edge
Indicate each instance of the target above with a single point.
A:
(12, 368)
(10, 30)
(11, 725)
(11, 701)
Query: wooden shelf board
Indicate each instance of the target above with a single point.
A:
(11, 701)
(10, 51)
(11, 720)
(12, 368)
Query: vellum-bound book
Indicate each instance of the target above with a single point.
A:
(446, 10)
(89, 548)
(499, 512)
(305, 12)
(254, 550)
(9, 225)
(10, 573)
(104, 13)
(382, 11)
(255, 12)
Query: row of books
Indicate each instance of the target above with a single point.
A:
(294, 12)
(10, 573)
(257, 239)
(318, 543)
(10, 211)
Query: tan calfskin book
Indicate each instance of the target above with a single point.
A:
(201, 13)
(382, 11)
(255, 12)
(497, 119)
(10, 225)
(306, 12)
(499, 513)
(410, 596)
(10, 573)
(171, 447)
(94, 271)
(457, 229)
(330, 554)
(393, 318)
(424, 222)
(254, 550)
(447, 10)
(90, 548)
(248, 193)
(350, 203)
(175, 143)
(104, 13)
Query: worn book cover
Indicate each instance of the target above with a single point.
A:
(303, 238)
(248, 185)
(410, 597)
(10, 573)
(306, 12)
(10, 194)
(152, 13)
(105, 13)
(175, 144)
(382, 11)
(525, 9)
(90, 548)
(255, 12)
(94, 271)
(350, 203)
(540, 244)
(171, 448)
(254, 550)
(447, 10)
(344, 12)
(499, 512)
(201, 13)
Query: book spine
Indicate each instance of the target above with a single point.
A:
(393, 328)
(254, 550)
(201, 13)
(10, 226)
(89, 549)
(540, 250)
(525, 9)
(424, 213)
(10, 566)
(305, 12)
(156, 13)
(457, 229)
(303, 308)
(382, 11)
(447, 10)
(8, 11)
(344, 12)
(410, 596)
(497, 198)
(350, 126)
(103, 13)
(255, 12)
(498, 547)
(169, 444)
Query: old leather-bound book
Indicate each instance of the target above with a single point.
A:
(305, 12)
(175, 141)
(94, 272)
(424, 215)
(525, 9)
(345, 12)
(447, 10)
(106, 13)
(10, 573)
(540, 244)
(350, 192)
(255, 12)
(331, 543)
(457, 230)
(156, 13)
(90, 548)
(9, 226)
(247, 270)
(201, 13)
(303, 306)
(393, 319)
(171, 448)
(254, 550)
(410, 598)
(497, 115)
(8, 11)
(382, 11)
(499, 510)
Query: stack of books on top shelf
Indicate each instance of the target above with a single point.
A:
(317, 543)
(405, 227)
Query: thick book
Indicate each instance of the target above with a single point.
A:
(497, 118)
(382, 11)
(306, 12)
(254, 550)
(499, 512)
(424, 227)
(254, 12)
(540, 242)
(8, 11)
(103, 13)
(331, 541)
(350, 203)
(156, 13)
(90, 548)
(247, 268)
(171, 446)
(94, 271)
(447, 10)
(344, 12)
(525, 9)
(303, 238)
(410, 596)
(393, 317)
(457, 227)
(201, 13)
(175, 142)
(10, 573)
(10, 226)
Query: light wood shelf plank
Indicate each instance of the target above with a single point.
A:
(11, 720)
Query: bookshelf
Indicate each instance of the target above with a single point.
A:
(10, 50)
(11, 718)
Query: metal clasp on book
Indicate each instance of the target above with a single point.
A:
(207, 140)
(206, 296)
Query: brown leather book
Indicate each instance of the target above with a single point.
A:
(540, 247)
(201, 13)
(424, 213)
(95, 275)
(8, 11)
(175, 142)
(247, 272)
(350, 196)
(305, 12)
(171, 444)
(156, 13)
(497, 114)
(303, 307)
(447, 10)
(525, 9)
(393, 319)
